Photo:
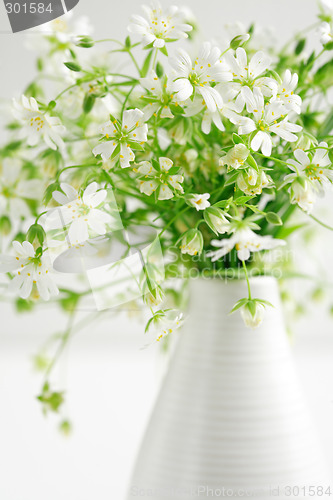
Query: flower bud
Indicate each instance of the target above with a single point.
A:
(253, 313)
(216, 220)
(302, 192)
(238, 41)
(5, 225)
(36, 235)
(235, 157)
(153, 297)
(191, 242)
(253, 182)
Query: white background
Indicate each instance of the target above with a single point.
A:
(110, 382)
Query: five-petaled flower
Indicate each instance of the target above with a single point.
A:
(38, 124)
(314, 167)
(245, 241)
(267, 119)
(80, 216)
(198, 201)
(159, 178)
(248, 74)
(159, 26)
(119, 138)
(32, 272)
(206, 69)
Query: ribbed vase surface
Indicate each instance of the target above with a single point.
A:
(230, 419)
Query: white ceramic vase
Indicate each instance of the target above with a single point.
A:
(230, 419)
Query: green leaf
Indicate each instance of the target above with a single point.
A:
(88, 103)
(274, 219)
(241, 200)
(73, 66)
(327, 126)
(164, 50)
(115, 152)
(223, 203)
(146, 64)
(329, 45)
(85, 42)
(240, 303)
(176, 110)
(159, 70)
(252, 163)
(49, 191)
(236, 139)
(127, 42)
(300, 46)
(135, 145)
(264, 302)
(231, 179)
(251, 304)
(286, 231)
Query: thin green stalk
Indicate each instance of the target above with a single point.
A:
(134, 62)
(271, 158)
(173, 220)
(247, 280)
(326, 226)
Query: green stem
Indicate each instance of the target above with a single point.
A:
(108, 40)
(173, 220)
(64, 91)
(134, 62)
(155, 58)
(271, 158)
(247, 280)
(326, 226)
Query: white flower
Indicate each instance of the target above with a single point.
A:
(159, 179)
(15, 188)
(245, 241)
(253, 321)
(229, 108)
(198, 201)
(235, 157)
(326, 32)
(266, 120)
(313, 167)
(159, 26)
(252, 182)
(162, 96)
(327, 8)
(246, 74)
(119, 136)
(191, 242)
(163, 323)
(67, 28)
(302, 192)
(37, 124)
(285, 92)
(79, 214)
(216, 220)
(198, 76)
(32, 271)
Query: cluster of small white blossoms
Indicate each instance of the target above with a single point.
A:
(228, 90)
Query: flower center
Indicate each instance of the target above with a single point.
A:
(37, 123)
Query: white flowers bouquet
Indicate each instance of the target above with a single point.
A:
(213, 145)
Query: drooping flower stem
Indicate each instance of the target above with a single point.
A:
(247, 280)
